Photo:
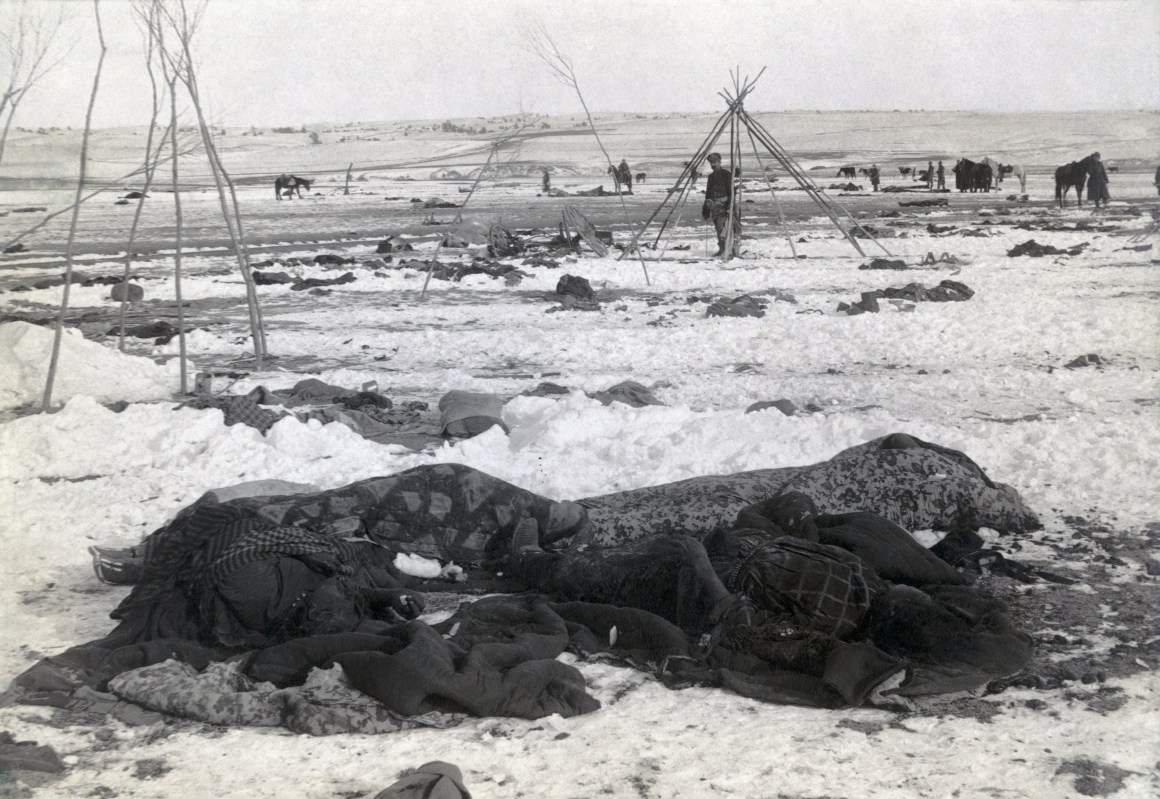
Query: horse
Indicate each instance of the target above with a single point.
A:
(621, 177)
(846, 172)
(983, 174)
(1017, 171)
(997, 171)
(964, 170)
(290, 185)
(640, 176)
(1072, 175)
(905, 171)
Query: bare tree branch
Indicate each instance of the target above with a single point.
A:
(30, 48)
(539, 43)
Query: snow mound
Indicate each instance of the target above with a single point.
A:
(84, 368)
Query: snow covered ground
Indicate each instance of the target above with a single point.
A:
(988, 376)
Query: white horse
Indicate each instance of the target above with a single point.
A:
(996, 171)
(1018, 171)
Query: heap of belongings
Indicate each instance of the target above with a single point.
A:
(366, 412)
(796, 585)
(884, 263)
(742, 305)
(1034, 249)
(945, 291)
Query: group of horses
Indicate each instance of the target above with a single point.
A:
(970, 176)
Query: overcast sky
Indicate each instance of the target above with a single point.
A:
(292, 62)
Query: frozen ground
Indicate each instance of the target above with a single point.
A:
(988, 376)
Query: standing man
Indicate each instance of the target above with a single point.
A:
(874, 176)
(719, 206)
(1098, 182)
(547, 181)
(942, 177)
(930, 175)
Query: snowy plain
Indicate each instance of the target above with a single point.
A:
(988, 376)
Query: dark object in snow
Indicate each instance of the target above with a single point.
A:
(135, 195)
(271, 278)
(121, 202)
(19, 247)
(1128, 248)
(576, 286)
(392, 244)
(31, 209)
(130, 291)
(59, 280)
(330, 259)
(105, 280)
(744, 305)
(934, 229)
(27, 755)
(438, 202)
(509, 272)
(884, 263)
(1090, 359)
(785, 406)
(152, 330)
(546, 390)
(434, 780)
(463, 414)
(945, 291)
(541, 260)
(629, 392)
(314, 282)
(935, 203)
(1034, 249)
(365, 399)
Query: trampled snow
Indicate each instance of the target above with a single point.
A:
(988, 376)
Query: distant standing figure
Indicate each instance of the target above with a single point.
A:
(874, 176)
(718, 205)
(625, 174)
(1156, 181)
(930, 174)
(942, 176)
(1098, 181)
(547, 181)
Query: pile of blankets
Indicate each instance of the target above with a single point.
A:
(287, 610)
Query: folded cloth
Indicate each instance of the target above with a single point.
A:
(466, 413)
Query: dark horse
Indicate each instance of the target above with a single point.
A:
(621, 177)
(290, 185)
(1071, 175)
